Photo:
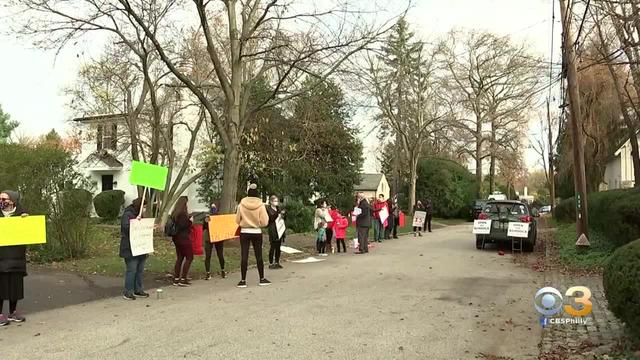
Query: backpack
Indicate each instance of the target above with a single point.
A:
(170, 228)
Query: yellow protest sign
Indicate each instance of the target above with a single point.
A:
(222, 227)
(27, 230)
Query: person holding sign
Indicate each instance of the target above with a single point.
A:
(208, 246)
(182, 241)
(363, 222)
(251, 216)
(275, 239)
(379, 206)
(13, 263)
(134, 264)
(418, 208)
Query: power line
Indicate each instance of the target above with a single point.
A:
(553, 22)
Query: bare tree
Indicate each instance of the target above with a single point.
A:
(491, 84)
(263, 40)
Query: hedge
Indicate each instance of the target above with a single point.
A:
(299, 216)
(621, 285)
(109, 203)
(615, 213)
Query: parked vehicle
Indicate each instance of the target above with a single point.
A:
(497, 195)
(501, 213)
(545, 209)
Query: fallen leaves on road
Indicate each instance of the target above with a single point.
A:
(492, 357)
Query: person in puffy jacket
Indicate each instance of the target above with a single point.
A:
(340, 229)
(251, 216)
(13, 263)
(134, 264)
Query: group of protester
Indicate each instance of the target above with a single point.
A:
(252, 215)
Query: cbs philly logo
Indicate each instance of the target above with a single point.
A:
(549, 303)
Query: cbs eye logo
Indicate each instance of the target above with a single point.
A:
(548, 301)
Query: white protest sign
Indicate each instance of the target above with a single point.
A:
(357, 211)
(310, 259)
(518, 229)
(418, 218)
(141, 236)
(280, 227)
(384, 214)
(482, 227)
(289, 250)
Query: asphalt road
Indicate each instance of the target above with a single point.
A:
(434, 297)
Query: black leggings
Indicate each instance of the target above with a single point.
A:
(329, 238)
(321, 246)
(341, 242)
(246, 240)
(13, 304)
(208, 247)
(274, 252)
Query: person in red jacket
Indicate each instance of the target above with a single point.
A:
(340, 230)
(331, 227)
(378, 225)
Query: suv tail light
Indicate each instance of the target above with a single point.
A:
(526, 218)
(483, 216)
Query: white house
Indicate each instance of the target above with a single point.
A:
(618, 172)
(373, 185)
(105, 157)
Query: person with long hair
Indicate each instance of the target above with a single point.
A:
(134, 265)
(182, 242)
(13, 262)
(251, 216)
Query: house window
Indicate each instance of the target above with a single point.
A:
(107, 182)
(107, 136)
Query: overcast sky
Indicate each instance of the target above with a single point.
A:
(33, 80)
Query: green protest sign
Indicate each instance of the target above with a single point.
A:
(148, 175)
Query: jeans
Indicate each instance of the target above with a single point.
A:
(378, 230)
(133, 274)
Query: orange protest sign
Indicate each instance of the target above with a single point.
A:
(222, 227)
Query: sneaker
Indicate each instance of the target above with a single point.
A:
(323, 254)
(127, 296)
(208, 276)
(272, 266)
(242, 284)
(223, 274)
(176, 282)
(264, 282)
(278, 266)
(141, 294)
(184, 283)
(3, 320)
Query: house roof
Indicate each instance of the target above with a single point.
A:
(104, 157)
(369, 182)
(98, 118)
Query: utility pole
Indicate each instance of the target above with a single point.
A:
(570, 72)
(552, 177)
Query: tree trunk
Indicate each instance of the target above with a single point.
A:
(492, 167)
(230, 178)
(478, 159)
(414, 180)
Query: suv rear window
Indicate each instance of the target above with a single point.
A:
(506, 208)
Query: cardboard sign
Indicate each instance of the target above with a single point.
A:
(223, 227)
(148, 175)
(141, 236)
(280, 227)
(518, 229)
(418, 218)
(17, 230)
(384, 214)
(482, 227)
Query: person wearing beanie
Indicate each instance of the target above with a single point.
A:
(251, 217)
(13, 263)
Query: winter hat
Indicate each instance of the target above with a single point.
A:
(253, 190)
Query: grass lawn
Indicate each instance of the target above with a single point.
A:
(592, 258)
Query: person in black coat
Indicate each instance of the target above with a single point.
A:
(274, 212)
(13, 262)
(134, 264)
(363, 223)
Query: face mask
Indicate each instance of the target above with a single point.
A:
(275, 202)
(213, 210)
(144, 209)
